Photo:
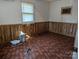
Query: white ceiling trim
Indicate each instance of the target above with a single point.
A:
(52, 0)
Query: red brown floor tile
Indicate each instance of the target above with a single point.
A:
(45, 46)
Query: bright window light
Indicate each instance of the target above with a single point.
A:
(27, 12)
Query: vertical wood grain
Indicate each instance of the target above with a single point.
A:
(68, 29)
(11, 32)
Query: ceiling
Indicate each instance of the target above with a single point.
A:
(51, 0)
(39, 0)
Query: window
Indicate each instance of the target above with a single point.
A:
(27, 12)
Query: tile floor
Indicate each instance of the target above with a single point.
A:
(45, 46)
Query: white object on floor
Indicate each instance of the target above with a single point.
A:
(14, 42)
(21, 33)
(75, 55)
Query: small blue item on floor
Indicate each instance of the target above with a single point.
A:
(15, 42)
(20, 39)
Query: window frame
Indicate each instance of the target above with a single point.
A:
(24, 22)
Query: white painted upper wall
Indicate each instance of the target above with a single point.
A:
(55, 11)
(41, 11)
(10, 11)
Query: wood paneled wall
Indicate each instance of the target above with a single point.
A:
(67, 29)
(35, 28)
(10, 32)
